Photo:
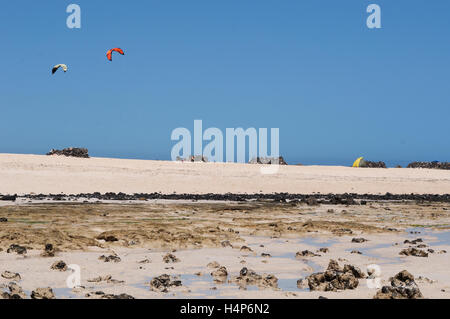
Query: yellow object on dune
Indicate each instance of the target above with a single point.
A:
(357, 163)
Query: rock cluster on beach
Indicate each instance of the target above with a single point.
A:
(193, 158)
(335, 278)
(71, 151)
(220, 275)
(268, 160)
(170, 258)
(49, 251)
(164, 282)
(14, 248)
(402, 286)
(11, 198)
(248, 277)
(15, 292)
(370, 164)
(310, 199)
(433, 165)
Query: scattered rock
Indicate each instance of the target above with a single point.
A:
(413, 242)
(71, 151)
(107, 237)
(15, 292)
(305, 253)
(20, 250)
(246, 249)
(110, 258)
(226, 243)
(107, 278)
(49, 251)
(59, 265)
(43, 293)
(248, 277)
(432, 165)
(411, 251)
(163, 282)
(402, 286)
(265, 255)
(3, 220)
(11, 275)
(121, 296)
(359, 240)
(11, 198)
(370, 164)
(335, 278)
(220, 275)
(170, 258)
(324, 250)
(268, 160)
(145, 261)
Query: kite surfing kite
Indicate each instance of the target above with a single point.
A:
(109, 53)
(56, 67)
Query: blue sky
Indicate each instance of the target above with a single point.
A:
(335, 89)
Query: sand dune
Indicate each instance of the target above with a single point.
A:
(24, 174)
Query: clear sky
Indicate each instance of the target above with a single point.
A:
(335, 89)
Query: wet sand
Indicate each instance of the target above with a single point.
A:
(196, 232)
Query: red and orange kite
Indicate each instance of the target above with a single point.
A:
(109, 53)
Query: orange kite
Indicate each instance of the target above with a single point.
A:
(109, 53)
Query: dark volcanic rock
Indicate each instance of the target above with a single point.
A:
(110, 258)
(8, 198)
(14, 248)
(121, 296)
(329, 199)
(193, 158)
(305, 253)
(413, 242)
(106, 236)
(71, 151)
(414, 252)
(49, 251)
(370, 164)
(359, 240)
(402, 286)
(268, 160)
(163, 282)
(433, 165)
(335, 278)
(59, 265)
(170, 258)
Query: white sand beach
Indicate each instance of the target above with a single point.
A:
(24, 174)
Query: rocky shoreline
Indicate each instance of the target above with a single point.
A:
(309, 199)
